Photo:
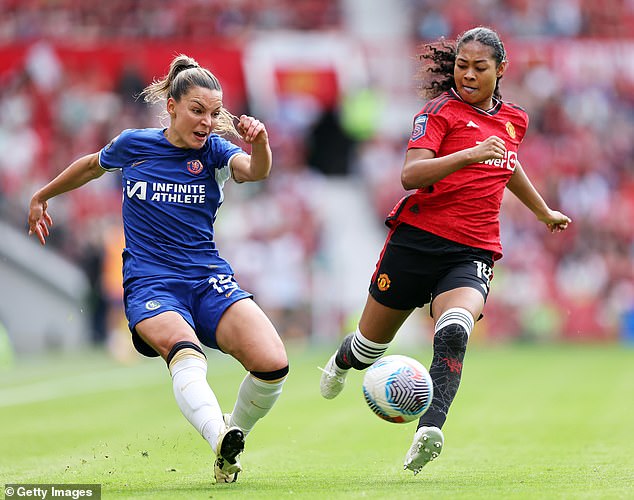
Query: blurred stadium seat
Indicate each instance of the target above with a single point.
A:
(70, 69)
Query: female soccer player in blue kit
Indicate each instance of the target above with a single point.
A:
(445, 237)
(178, 292)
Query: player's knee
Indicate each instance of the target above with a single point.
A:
(274, 363)
(184, 349)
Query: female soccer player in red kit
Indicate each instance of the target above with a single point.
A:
(444, 238)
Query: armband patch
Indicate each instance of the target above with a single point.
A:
(420, 126)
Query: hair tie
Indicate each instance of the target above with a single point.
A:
(183, 68)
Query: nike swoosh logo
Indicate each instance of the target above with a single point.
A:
(258, 406)
(138, 163)
(228, 294)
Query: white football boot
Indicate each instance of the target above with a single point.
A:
(230, 445)
(332, 379)
(427, 445)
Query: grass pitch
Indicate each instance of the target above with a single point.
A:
(528, 422)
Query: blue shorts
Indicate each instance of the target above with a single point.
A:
(200, 302)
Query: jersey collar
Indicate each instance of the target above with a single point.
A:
(497, 104)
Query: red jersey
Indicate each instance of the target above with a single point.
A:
(464, 206)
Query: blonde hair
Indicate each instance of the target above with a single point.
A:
(184, 74)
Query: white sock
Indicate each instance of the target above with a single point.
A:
(458, 316)
(366, 351)
(193, 395)
(255, 398)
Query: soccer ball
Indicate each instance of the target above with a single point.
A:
(398, 388)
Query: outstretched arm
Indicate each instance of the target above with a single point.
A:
(75, 175)
(257, 165)
(521, 186)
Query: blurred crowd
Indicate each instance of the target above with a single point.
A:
(526, 18)
(579, 152)
(160, 19)
(196, 19)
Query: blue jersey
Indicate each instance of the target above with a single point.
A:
(171, 197)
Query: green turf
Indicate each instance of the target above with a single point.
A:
(528, 422)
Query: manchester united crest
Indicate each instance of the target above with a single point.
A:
(383, 282)
(510, 129)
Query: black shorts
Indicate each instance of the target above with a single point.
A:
(416, 266)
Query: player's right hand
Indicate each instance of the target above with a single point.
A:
(492, 148)
(39, 220)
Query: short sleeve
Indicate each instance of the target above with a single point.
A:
(428, 132)
(116, 153)
(221, 151)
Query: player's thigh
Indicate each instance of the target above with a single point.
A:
(466, 284)
(465, 297)
(164, 330)
(380, 323)
(247, 334)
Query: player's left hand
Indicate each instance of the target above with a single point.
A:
(252, 130)
(556, 221)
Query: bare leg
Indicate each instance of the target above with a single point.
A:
(360, 349)
(246, 333)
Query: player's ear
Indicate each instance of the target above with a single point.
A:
(501, 69)
(170, 106)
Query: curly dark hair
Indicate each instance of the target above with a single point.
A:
(439, 59)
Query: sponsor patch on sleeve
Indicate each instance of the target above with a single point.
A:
(420, 126)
